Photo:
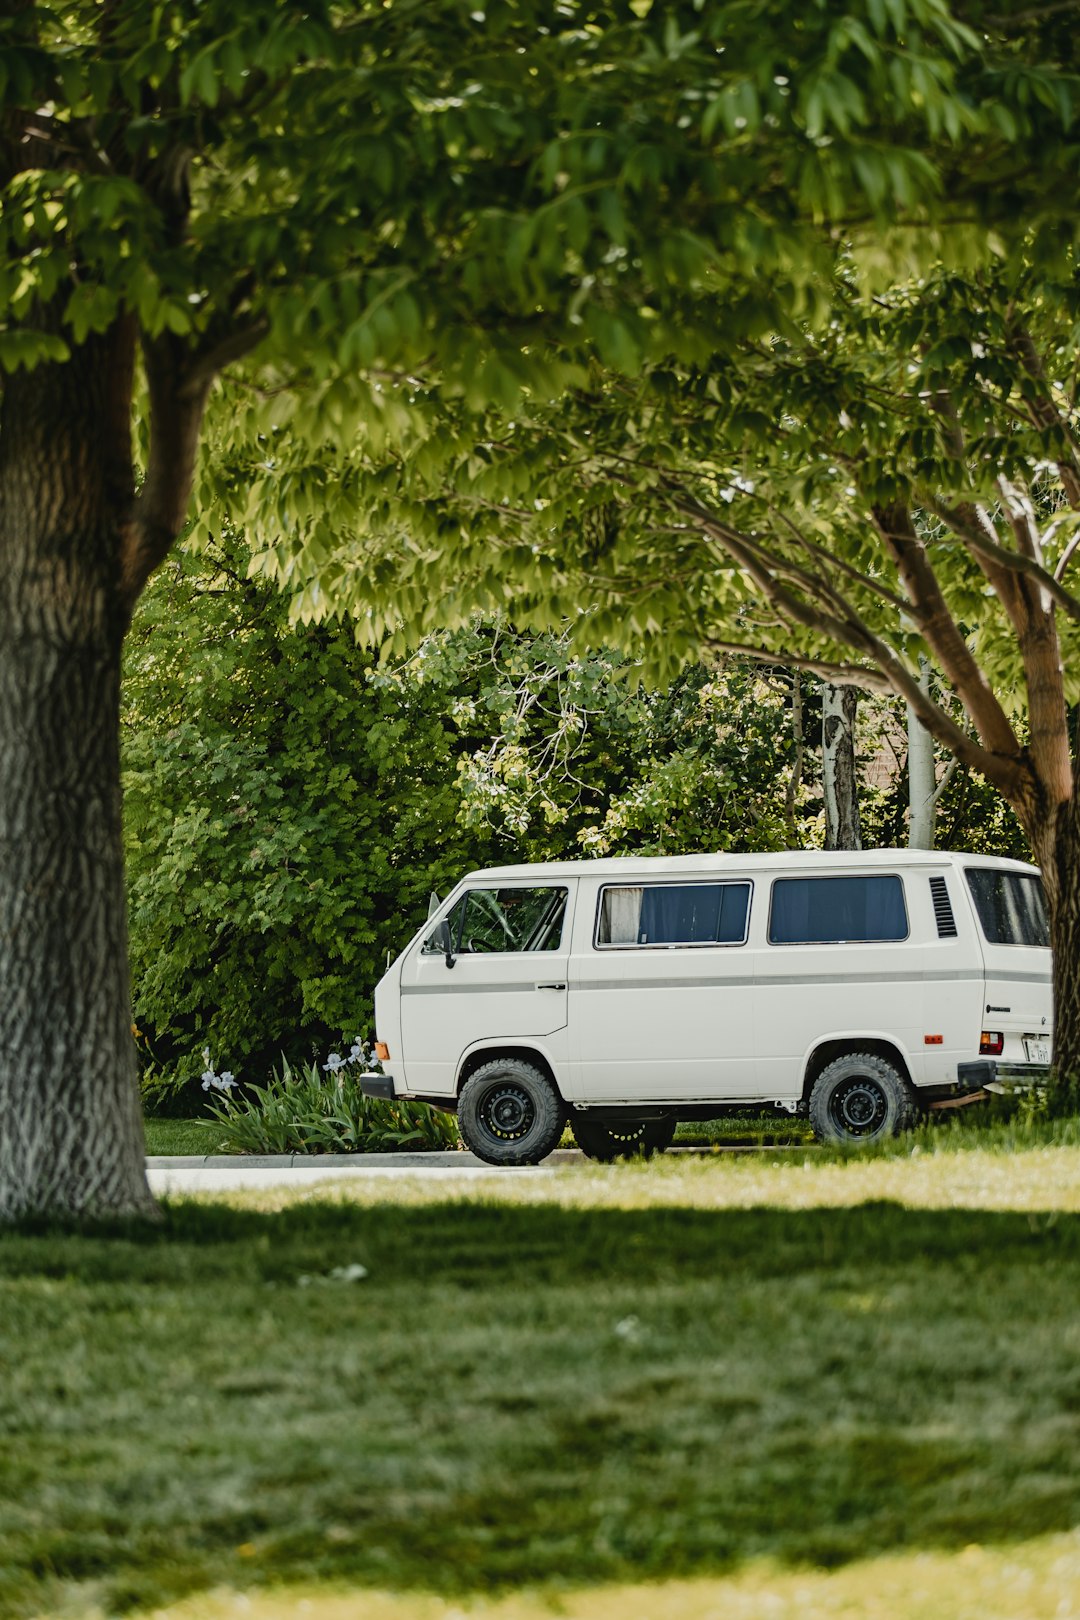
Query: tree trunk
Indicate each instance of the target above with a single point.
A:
(70, 1122)
(922, 775)
(1057, 849)
(839, 705)
(794, 782)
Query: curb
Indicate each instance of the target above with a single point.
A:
(453, 1159)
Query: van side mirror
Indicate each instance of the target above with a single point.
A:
(442, 941)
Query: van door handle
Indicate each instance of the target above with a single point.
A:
(551, 987)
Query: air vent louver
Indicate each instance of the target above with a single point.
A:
(943, 912)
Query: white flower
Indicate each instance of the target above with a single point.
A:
(354, 1273)
(346, 1274)
(333, 1063)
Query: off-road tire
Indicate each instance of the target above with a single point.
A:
(861, 1097)
(510, 1113)
(608, 1139)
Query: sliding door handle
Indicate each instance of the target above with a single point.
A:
(551, 987)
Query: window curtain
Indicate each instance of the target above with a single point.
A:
(622, 915)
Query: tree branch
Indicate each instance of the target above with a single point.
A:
(1045, 414)
(845, 568)
(208, 362)
(764, 567)
(946, 777)
(1012, 561)
(160, 509)
(1002, 761)
(1066, 558)
(943, 635)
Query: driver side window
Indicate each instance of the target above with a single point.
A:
(510, 919)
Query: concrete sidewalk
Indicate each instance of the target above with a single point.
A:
(218, 1172)
(450, 1159)
(229, 1172)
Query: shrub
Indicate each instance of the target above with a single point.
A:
(311, 1110)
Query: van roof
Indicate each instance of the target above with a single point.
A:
(789, 860)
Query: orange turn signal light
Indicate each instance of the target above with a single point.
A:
(933, 1040)
(382, 1051)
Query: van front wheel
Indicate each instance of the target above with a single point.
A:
(860, 1098)
(510, 1113)
(621, 1139)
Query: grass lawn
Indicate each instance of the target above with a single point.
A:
(191, 1136)
(752, 1376)
(1035, 1581)
(180, 1136)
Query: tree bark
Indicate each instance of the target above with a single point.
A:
(1056, 840)
(71, 1135)
(839, 705)
(794, 782)
(922, 775)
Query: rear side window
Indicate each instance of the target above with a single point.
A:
(674, 914)
(837, 911)
(1010, 906)
(500, 920)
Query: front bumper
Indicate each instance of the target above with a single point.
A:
(378, 1085)
(992, 1073)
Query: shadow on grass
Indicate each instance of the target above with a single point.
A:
(525, 1394)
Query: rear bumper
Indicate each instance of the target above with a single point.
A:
(993, 1073)
(378, 1085)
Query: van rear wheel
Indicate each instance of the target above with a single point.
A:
(861, 1097)
(510, 1113)
(620, 1138)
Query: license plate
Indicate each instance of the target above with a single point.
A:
(1037, 1051)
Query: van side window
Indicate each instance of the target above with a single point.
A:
(486, 920)
(1011, 906)
(674, 914)
(837, 910)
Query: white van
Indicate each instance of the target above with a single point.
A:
(628, 994)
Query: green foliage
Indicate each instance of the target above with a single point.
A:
(581, 758)
(309, 1110)
(281, 838)
(714, 499)
(291, 802)
(971, 815)
(483, 192)
(512, 266)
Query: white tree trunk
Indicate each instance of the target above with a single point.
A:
(922, 775)
(839, 706)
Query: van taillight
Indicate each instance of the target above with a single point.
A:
(991, 1043)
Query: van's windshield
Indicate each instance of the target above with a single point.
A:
(1011, 906)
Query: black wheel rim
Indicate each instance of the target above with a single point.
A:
(627, 1134)
(858, 1107)
(507, 1112)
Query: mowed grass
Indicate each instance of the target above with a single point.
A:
(562, 1381)
(195, 1137)
(1036, 1581)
